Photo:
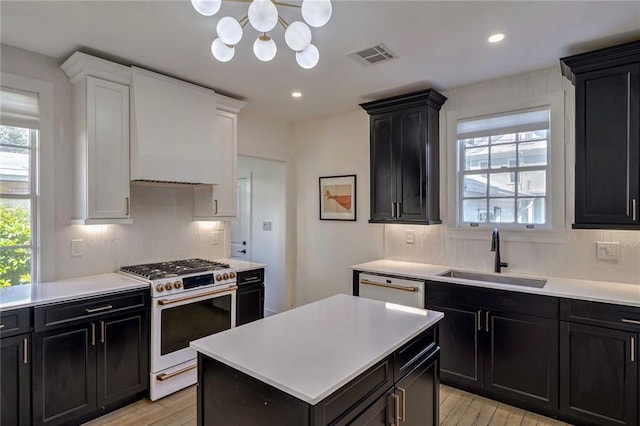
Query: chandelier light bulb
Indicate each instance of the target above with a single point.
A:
(229, 30)
(206, 7)
(263, 15)
(316, 12)
(297, 36)
(265, 48)
(309, 57)
(221, 51)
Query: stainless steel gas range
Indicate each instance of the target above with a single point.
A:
(191, 298)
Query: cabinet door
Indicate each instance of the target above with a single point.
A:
(521, 358)
(249, 303)
(599, 382)
(382, 168)
(123, 352)
(107, 149)
(608, 146)
(64, 374)
(409, 152)
(460, 346)
(15, 383)
(419, 394)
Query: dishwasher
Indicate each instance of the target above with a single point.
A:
(402, 291)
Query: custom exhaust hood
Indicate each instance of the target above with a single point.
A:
(173, 131)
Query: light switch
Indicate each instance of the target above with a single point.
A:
(266, 225)
(77, 247)
(411, 236)
(608, 250)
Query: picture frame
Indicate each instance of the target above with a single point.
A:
(338, 197)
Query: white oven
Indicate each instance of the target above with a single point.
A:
(402, 291)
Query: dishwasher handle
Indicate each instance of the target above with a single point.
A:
(410, 289)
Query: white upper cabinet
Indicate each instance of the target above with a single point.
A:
(101, 131)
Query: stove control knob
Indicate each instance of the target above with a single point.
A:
(168, 286)
(232, 274)
(177, 285)
(225, 276)
(160, 288)
(218, 277)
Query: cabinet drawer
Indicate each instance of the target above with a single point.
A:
(63, 314)
(15, 321)
(492, 299)
(409, 356)
(250, 277)
(605, 314)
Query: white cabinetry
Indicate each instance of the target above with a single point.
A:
(101, 131)
(220, 202)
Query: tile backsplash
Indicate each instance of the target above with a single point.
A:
(569, 254)
(162, 229)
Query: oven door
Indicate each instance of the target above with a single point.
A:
(181, 318)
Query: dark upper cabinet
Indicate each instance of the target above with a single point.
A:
(607, 181)
(15, 380)
(404, 158)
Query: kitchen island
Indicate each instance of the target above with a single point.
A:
(340, 360)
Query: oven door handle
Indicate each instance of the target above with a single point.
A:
(165, 302)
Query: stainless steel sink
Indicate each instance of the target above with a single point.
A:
(495, 279)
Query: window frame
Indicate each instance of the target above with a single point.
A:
(43, 239)
(555, 198)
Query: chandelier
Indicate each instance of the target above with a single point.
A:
(263, 16)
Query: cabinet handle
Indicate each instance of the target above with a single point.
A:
(479, 320)
(101, 331)
(128, 206)
(633, 349)
(393, 209)
(396, 398)
(403, 415)
(101, 308)
(215, 208)
(25, 352)
(486, 321)
(629, 321)
(398, 209)
(634, 209)
(1, 326)
(93, 334)
(251, 278)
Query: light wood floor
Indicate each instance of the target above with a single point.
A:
(456, 408)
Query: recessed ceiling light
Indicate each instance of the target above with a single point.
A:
(496, 38)
(296, 94)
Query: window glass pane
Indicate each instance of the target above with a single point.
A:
(533, 153)
(476, 158)
(502, 210)
(15, 226)
(503, 156)
(15, 266)
(532, 183)
(14, 135)
(474, 210)
(475, 185)
(534, 135)
(502, 185)
(14, 170)
(470, 143)
(511, 137)
(531, 210)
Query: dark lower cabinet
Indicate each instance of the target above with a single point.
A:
(15, 380)
(380, 413)
(599, 374)
(250, 303)
(417, 390)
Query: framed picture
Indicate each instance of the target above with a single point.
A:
(338, 197)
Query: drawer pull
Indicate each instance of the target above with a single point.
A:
(1, 326)
(100, 309)
(25, 352)
(165, 376)
(391, 286)
(256, 278)
(630, 321)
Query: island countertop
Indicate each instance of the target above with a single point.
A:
(311, 351)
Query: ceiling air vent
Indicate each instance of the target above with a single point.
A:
(372, 55)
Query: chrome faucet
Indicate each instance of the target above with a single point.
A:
(495, 246)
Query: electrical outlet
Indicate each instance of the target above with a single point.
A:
(266, 225)
(608, 250)
(215, 238)
(77, 247)
(410, 236)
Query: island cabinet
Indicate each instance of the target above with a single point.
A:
(599, 363)
(404, 158)
(607, 86)
(250, 296)
(15, 367)
(498, 343)
(89, 357)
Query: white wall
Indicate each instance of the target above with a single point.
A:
(335, 145)
(268, 204)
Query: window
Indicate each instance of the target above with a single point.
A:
(18, 178)
(507, 156)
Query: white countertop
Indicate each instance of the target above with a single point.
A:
(63, 290)
(597, 291)
(241, 265)
(311, 351)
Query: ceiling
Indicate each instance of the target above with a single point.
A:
(439, 44)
